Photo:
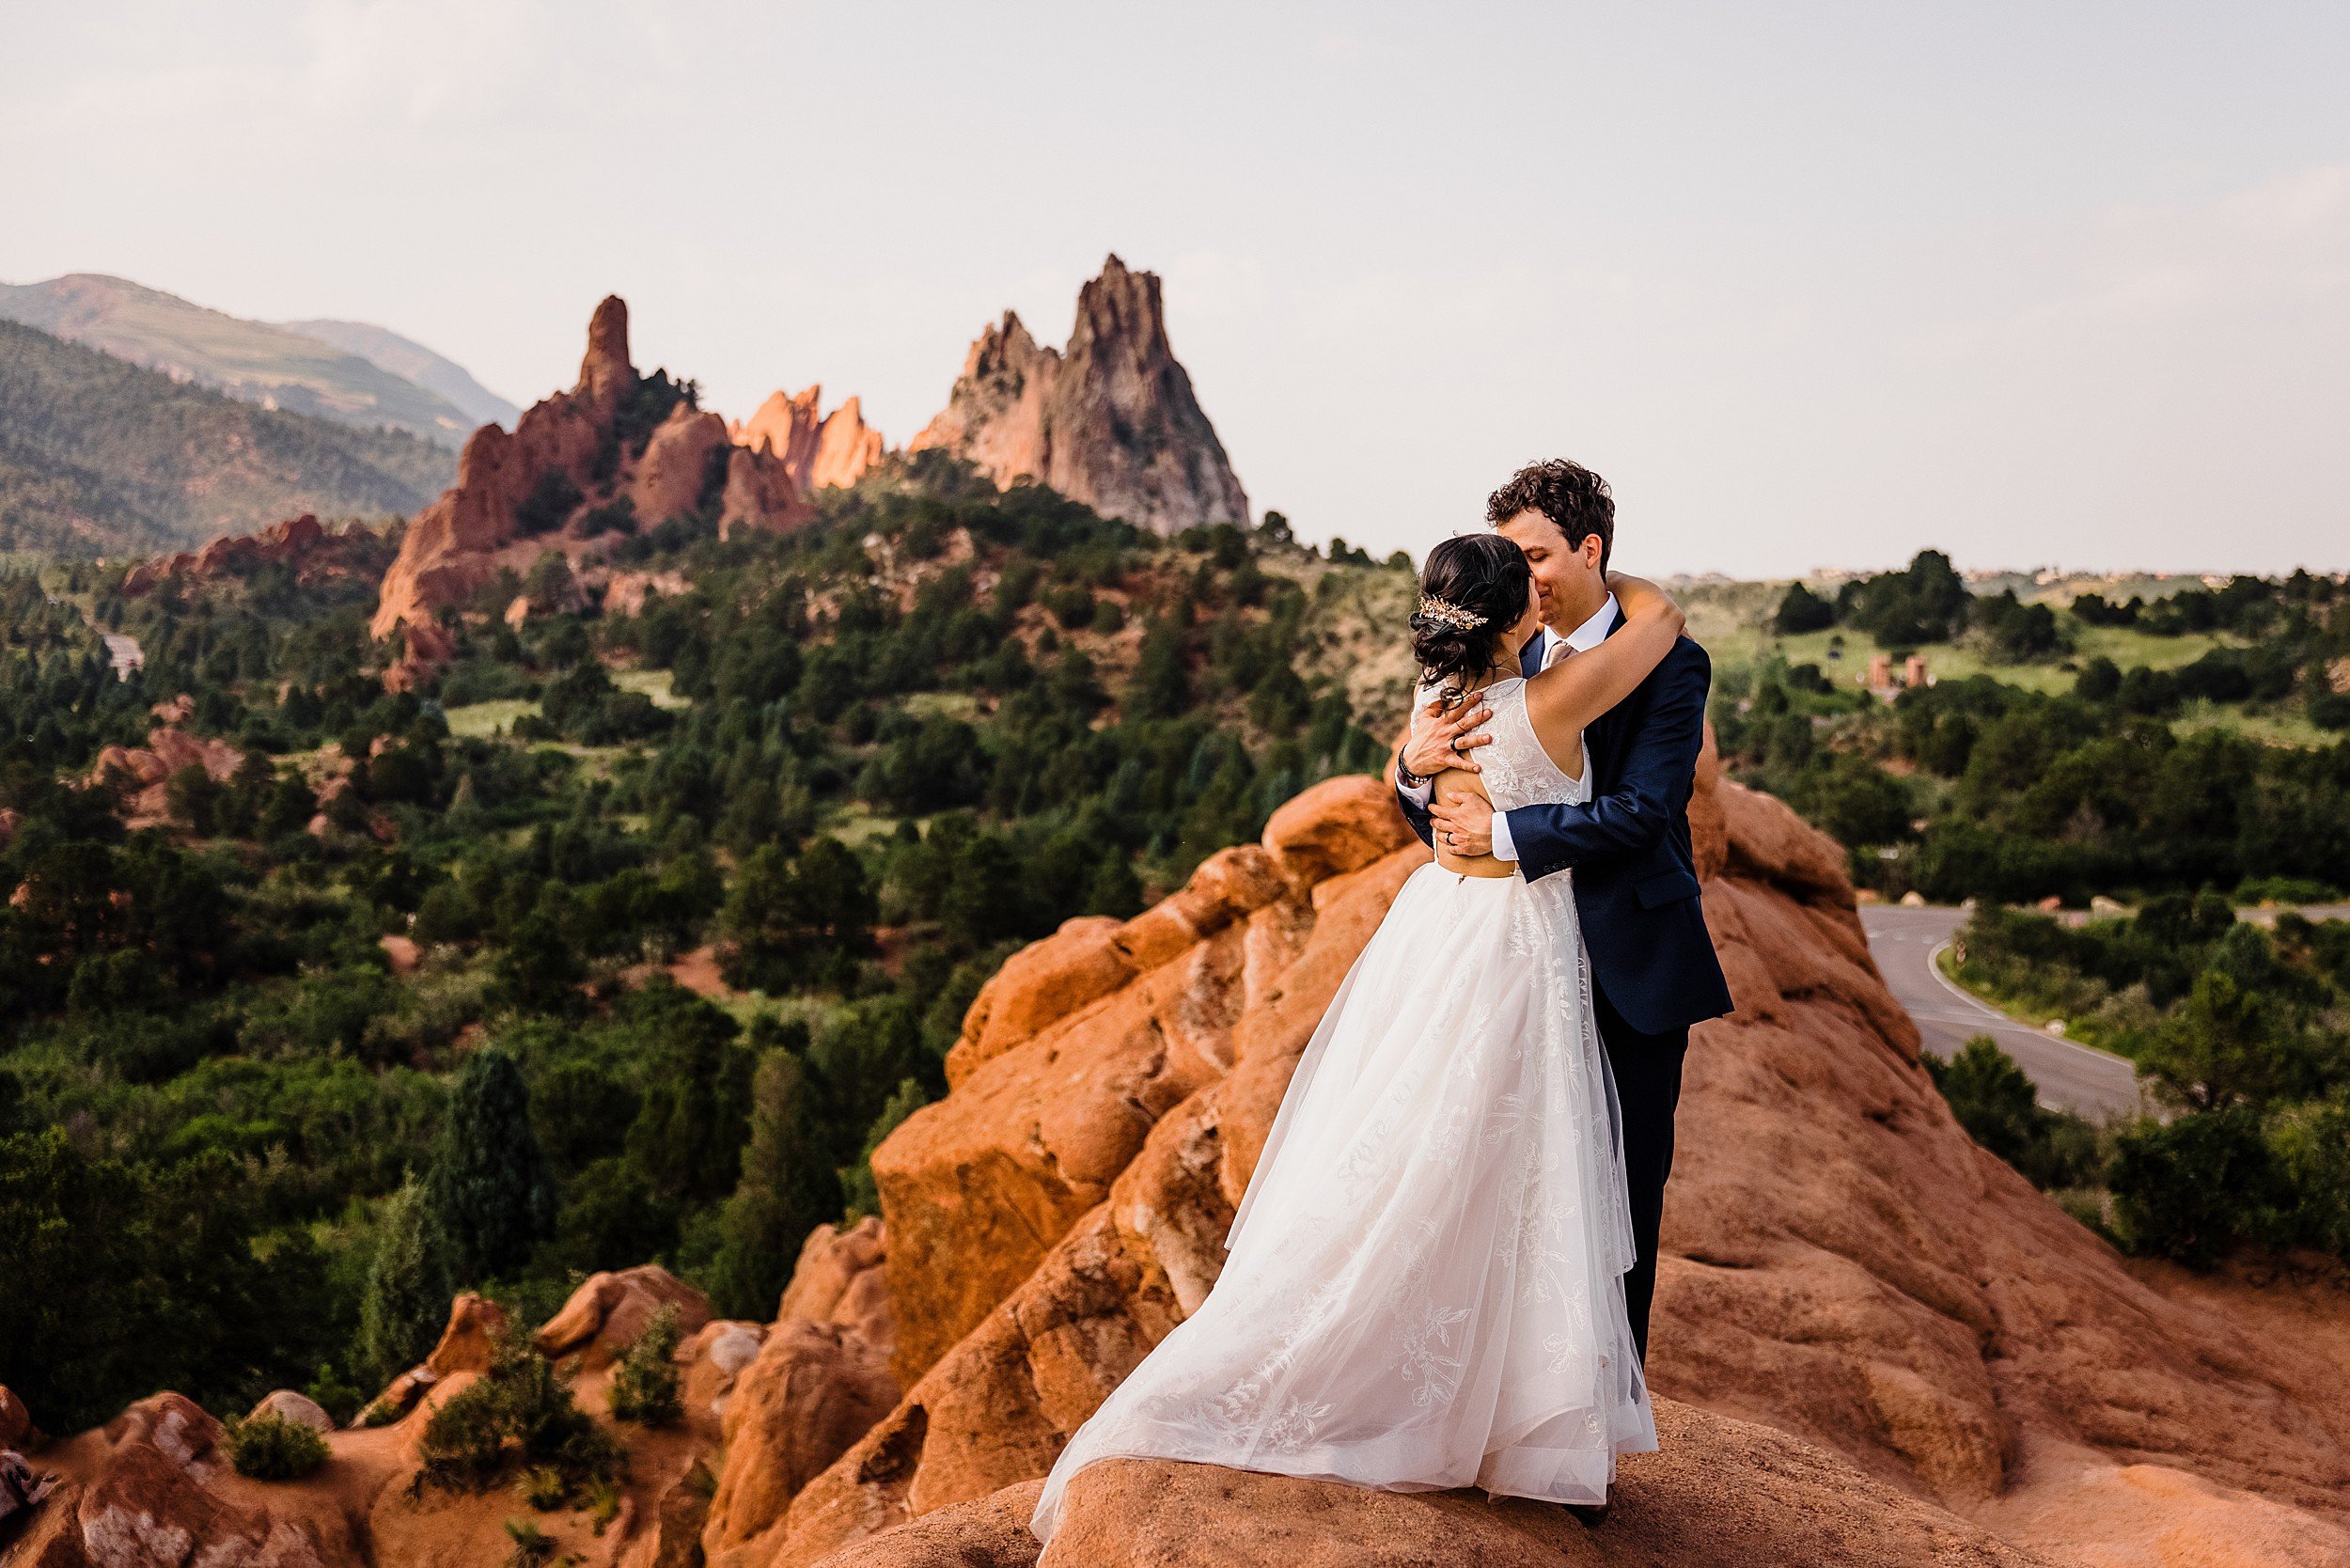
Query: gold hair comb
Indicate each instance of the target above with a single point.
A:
(1446, 612)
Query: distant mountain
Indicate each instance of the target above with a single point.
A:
(411, 361)
(275, 367)
(97, 456)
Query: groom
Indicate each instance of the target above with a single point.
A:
(1653, 972)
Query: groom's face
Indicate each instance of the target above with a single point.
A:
(1568, 580)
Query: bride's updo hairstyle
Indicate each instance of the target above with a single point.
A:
(1472, 590)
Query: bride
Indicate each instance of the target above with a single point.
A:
(1422, 1286)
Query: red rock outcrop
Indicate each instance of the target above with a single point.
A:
(627, 593)
(1874, 1342)
(820, 1383)
(1947, 1364)
(459, 542)
(1112, 421)
(817, 449)
(605, 1316)
(300, 542)
(153, 1489)
(143, 774)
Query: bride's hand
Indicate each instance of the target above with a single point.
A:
(1438, 742)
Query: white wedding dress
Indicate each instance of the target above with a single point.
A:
(1423, 1283)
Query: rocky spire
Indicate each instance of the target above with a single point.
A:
(1113, 422)
(605, 372)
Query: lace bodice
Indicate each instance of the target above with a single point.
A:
(1517, 771)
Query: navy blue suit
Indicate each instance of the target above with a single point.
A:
(1653, 972)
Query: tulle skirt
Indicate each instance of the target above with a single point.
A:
(1423, 1282)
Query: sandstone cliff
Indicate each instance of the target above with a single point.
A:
(301, 543)
(1112, 421)
(569, 456)
(817, 449)
(1874, 1343)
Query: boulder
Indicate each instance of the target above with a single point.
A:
(609, 1311)
(1339, 825)
(821, 1380)
(286, 1405)
(22, 1489)
(400, 1395)
(156, 1491)
(815, 1388)
(839, 1277)
(469, 1342)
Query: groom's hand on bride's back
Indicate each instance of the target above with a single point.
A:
(1437, 741)
(1465, 826)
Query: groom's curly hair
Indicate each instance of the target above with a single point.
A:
(1483, 576)
(1570, 495)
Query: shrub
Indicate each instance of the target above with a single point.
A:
(542, 1487)
(331, 1394)
(520, 1412)
(644, 1384)
(533, 1546)
(603, 1505)
(2195, 1188)
(271, 1447)
(1997, 1104)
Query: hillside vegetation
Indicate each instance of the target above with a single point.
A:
(286, 366)
(831, 785)
(97, 456)
(2194, 742)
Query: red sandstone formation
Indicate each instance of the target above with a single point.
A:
(300, 542)
(608, 1312)
(1111, 422)
(820, 1383)
(154, 1488)
(627, 593)
(1875, 1344)
(459, 542)
(817, 450)
(143, 774)
(1950, 1369)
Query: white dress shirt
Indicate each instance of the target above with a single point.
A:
(1555, 648)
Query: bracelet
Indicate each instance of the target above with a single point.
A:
(1407, 778)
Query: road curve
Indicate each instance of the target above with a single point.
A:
(2069, 1076)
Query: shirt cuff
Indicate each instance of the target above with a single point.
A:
(1420, 795)
(1505, 847)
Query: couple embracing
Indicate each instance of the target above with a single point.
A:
(1440, 1273)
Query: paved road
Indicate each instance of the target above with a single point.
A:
(2070, 1075)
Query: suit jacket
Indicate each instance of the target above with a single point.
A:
(1636, 883)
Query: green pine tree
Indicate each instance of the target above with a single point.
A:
(488, 1190)
(788, 1188)
(408, 1289)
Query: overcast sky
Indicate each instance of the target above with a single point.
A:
(1812, 285)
